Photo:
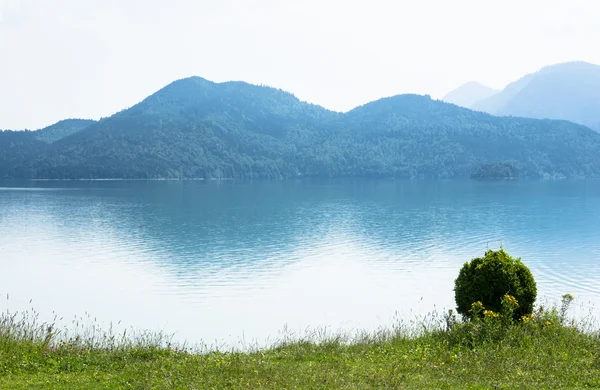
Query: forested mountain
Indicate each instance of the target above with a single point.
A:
(62, 129)
(468, 94)
(16, 147)
(415, 136)
(194, 128)
(191, 128)
(569, 91)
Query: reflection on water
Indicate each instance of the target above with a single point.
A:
(235, 261)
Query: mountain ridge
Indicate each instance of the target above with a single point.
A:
(567, 91)
(468, 94)
(62, 129)
(194, 128)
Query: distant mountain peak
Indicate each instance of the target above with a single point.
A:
(187, 83)
(62, 129)
(474, 84)
(570, 65)
(201, 95)
(568, 91)
(395, 102)
(468, 94)
(191, 80)
(194, 128)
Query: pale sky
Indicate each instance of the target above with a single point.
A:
(91, 58)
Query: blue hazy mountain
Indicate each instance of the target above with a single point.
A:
(569, 91)
(468, 94)
(194, 128)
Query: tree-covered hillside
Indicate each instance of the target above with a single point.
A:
(194, 128)
(17, 147)
(415, 136)
(62, 129)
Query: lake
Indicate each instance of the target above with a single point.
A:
(232, 263)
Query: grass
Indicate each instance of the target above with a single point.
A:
(545, 351)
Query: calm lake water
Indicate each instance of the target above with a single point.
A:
(238, 262)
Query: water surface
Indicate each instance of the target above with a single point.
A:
(237, 262)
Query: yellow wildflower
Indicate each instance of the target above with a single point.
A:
(510, 300)
(526, 318)
(476, 307)
(568, 297)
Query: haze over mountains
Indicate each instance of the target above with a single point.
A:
(569, 91)
(194, 128)
(468, 94)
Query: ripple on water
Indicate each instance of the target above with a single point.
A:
(334, 255)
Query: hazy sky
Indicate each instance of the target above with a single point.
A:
(91, 58)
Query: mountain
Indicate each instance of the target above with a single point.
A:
(16, 147)
(569, 91)
(194, 128)
(190, 128)
(62, 129)
(419, 137)
(496, 103)
(468, 94)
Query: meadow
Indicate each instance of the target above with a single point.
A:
(545, 350)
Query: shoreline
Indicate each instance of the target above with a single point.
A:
(545, 352)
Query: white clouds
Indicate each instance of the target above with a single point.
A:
(69, 58)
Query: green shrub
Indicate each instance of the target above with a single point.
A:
(488, 279)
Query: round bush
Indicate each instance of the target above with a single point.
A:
(489, 278)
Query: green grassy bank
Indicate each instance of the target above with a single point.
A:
(546, 351)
